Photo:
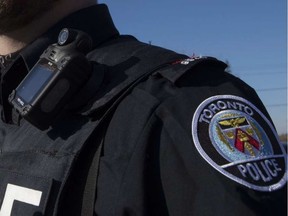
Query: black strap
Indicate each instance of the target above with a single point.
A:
(91, 183)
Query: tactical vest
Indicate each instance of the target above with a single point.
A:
(37, 166)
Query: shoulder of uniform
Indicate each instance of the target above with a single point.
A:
(176, 70)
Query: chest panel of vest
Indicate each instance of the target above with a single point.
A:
(36, 164)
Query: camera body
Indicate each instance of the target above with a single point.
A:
(53, 81)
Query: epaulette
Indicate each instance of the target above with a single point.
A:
(178, 68)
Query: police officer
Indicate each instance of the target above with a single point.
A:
(151, 132)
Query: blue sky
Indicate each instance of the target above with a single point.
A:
(250, 34)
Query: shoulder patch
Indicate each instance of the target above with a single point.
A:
(235, 138)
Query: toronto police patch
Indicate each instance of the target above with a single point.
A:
(233, 136)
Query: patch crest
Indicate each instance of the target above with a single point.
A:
(235, 137)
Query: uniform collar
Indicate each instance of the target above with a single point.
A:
(95, 21)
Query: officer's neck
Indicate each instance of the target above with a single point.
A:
(14, 41)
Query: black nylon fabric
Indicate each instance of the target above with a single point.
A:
(48, 155)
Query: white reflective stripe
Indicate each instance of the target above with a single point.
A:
(21, 194)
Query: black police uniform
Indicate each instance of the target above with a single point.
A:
(189, 139)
